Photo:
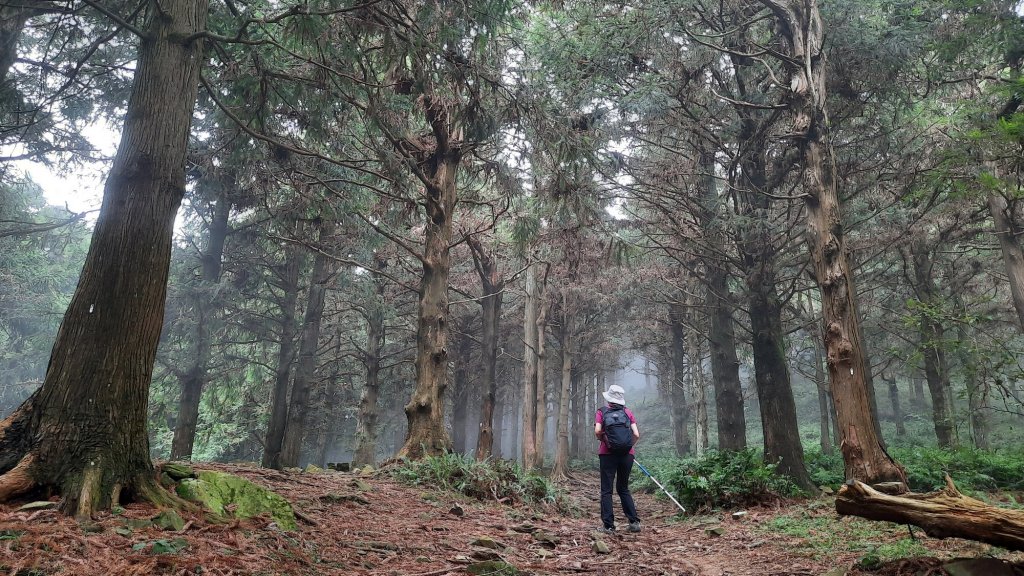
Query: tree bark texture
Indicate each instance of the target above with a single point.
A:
(679, 410)
(542, 355)
(824, 403)
(933, 342)
(427, 434)
(801, 33)
(493, 283)
(579, 413)
(194, 379)
(288, 281)
(1007, 230)
(561, 465)
(943, 514)
(83, 432)
(309, 343)
(700, 399)
(529, 428)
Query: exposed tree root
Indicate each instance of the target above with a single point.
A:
(941, 514)
(17, 480)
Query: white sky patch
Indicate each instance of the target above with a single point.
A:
(80, 187)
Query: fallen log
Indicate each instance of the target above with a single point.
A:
(942, 514)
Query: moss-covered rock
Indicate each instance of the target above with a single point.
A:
(226, 494)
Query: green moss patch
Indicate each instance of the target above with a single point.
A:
(227, 494)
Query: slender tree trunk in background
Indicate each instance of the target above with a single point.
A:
(679, 410)
(369, 411)
(800, 27)
(977, 390)
(700, 399)
(329, 395)
(561, 465)
(289, 283)
(582, 423)
(1006, 231)
(541, 411)
(918, 400)
(83, 433)
(460, 391)
(529, 428)
(194, 379)
(493, 284)
(933, 342)
(309, 343)
(894, 399)
(425, 411)
(501, 405)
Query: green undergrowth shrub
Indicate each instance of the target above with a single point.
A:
(971, 469)
(718, 480)
(491, 480)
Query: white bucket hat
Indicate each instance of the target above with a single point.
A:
(615, 395)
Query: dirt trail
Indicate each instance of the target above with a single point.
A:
(397, 530)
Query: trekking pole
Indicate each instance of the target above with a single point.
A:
(644, 470)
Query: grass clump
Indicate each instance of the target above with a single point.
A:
(500, 480)
(720, 480)
(817, 531)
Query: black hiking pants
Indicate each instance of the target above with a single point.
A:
(615, 468)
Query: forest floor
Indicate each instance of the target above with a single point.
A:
(352, 524)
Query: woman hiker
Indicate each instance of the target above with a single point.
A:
(615, 427)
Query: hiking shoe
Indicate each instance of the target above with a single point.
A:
(634, 526)
(607, 530)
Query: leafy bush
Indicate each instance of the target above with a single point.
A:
(971, 469)
(722, 480)
(500, 480)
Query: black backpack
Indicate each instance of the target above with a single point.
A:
(618, 433)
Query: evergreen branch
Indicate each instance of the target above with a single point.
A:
(113, 16)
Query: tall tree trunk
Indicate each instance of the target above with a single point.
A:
(771, 373)
(933, 342)
(774, 389)
(725, 365)
(578, 411)
(542, 389)
(529, 428)
(493, 284)
(289, 284)
(460, 391)
(679, 410)
(329, 395)
(700, 397)
(369, 410)
(918, 401)
(977, 390)
(83, 432)
(561, 465)
(497, 431)
(309, 342)
(894, 399)
(14, 14)
(1006, 231)
(801, 29)
(425, 411)
(194, 379)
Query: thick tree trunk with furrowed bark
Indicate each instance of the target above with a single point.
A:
(679, 412)
(83, 433)
(1006, 230)
(801, 34)
(366, 424)
(427, 434)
